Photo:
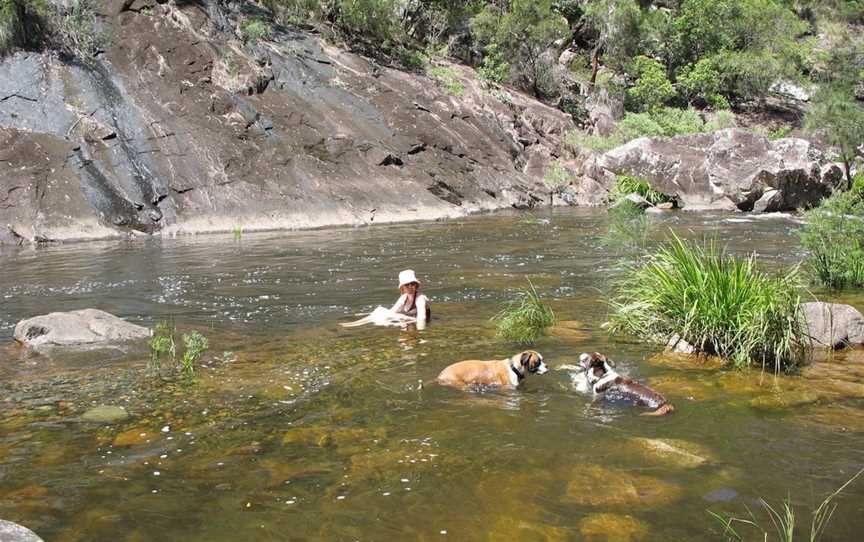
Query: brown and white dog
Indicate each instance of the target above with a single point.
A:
(602, 379)
(502, 373)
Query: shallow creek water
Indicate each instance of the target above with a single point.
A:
(295, 429)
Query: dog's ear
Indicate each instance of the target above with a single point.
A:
(525, 359)
(604, 359)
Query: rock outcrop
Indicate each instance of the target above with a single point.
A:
(729, 169)
(87, 327)
(183, 127)
(832, 325)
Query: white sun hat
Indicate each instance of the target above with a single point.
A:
(407, 277)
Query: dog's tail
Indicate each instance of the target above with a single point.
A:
(662, 410)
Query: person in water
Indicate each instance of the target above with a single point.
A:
(412, 307)
(412, 302)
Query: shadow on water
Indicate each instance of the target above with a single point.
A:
(296, 429)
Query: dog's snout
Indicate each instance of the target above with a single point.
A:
(542, 368)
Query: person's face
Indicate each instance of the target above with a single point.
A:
(411, 287)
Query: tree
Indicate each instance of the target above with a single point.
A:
(22, 23)
(524, 34)
(618, 26)
(839, 119)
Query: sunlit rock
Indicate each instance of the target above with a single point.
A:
(569, 331)
(832, 325)
(85, 327)
(12, 532)
(593, 485)
(612, 528)
(782, 400)
(673, 452)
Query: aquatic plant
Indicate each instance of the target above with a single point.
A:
(524, 318)
(625, 185)
(163, 343)
(196, 344)
(720, 304)
(834, 237)
(784, 520)
(628, 227)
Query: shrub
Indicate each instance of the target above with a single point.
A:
(254, 29)
(524, 318)
(664, 122)
(449, 79)
(652, 88)
(493, 67)
(22, 24)
(163, 344)
(834, 237)
(375, 20)
(780, 132)
(722, 119)
(626, 184)
(839, 118)
(720, 304)
(556, 179)
(196, 344)
(701, 82)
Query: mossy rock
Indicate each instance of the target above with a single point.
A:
(612, 528)
(784, 400)
(133, 437)
(105, 414)
(593, 485)
(686, 362)
(507, 528)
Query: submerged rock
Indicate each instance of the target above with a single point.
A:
(612, 528)
(84, 327)
(832, 325)
(673, 452)
(105, 414)
(12, 532)
(593, 485)
(679, 346)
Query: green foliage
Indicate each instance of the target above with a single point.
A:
(621, 29)
(780, 132)
(839, 119)
(373, 20)
(625, 185)
(834, 238)
(702, 82)
(723, 119)
(664, 122)
(448, 77)
(494, 67)
(524, 318)
(784, 521)
(628, 227)
(522, 34)
(412, 60)
(196, 344)
(295, 11)
(23, 24)
(162, 343)
(652, 88)
(255, 29)
(721, 304)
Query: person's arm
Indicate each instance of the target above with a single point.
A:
(399, 303)
(421, 311)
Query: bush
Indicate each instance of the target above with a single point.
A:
(833, 235)
(254, 29)
(449, 79)
(701, 82)
(625, 185)
(652, 88)
(374, 20)
(664, 122)
(556, 179)
(722, 119)
(720, 304)
(22, 24)
(525, 318)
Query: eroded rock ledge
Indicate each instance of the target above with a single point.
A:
(181, 127)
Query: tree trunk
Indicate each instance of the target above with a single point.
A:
(595, 65)
(847, 164)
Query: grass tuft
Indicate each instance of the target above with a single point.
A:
(524, 318)
(626, 185)
(834, 237)
(720, 304)
(448, 77)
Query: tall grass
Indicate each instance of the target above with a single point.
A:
(626, 185)
(784, 520)
(834, 237)
(524, 318)
(718, 303)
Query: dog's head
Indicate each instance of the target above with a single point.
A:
(596, 366)
(531, 362)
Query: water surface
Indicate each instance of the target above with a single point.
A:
(295, 429)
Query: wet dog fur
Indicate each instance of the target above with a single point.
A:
(602, 379)
(499, 373)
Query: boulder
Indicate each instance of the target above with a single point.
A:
(106, 414)
(84, 327)
(612, 528)
(672, 452)
(832, 325)
(729, 169)
(12, 532)
(680, 346)
(637, 200)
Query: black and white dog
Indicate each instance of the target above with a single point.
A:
(598, 375)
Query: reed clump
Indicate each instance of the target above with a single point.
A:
(524, 318)
(721, 304)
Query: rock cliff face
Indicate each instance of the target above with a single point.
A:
(181, 127)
